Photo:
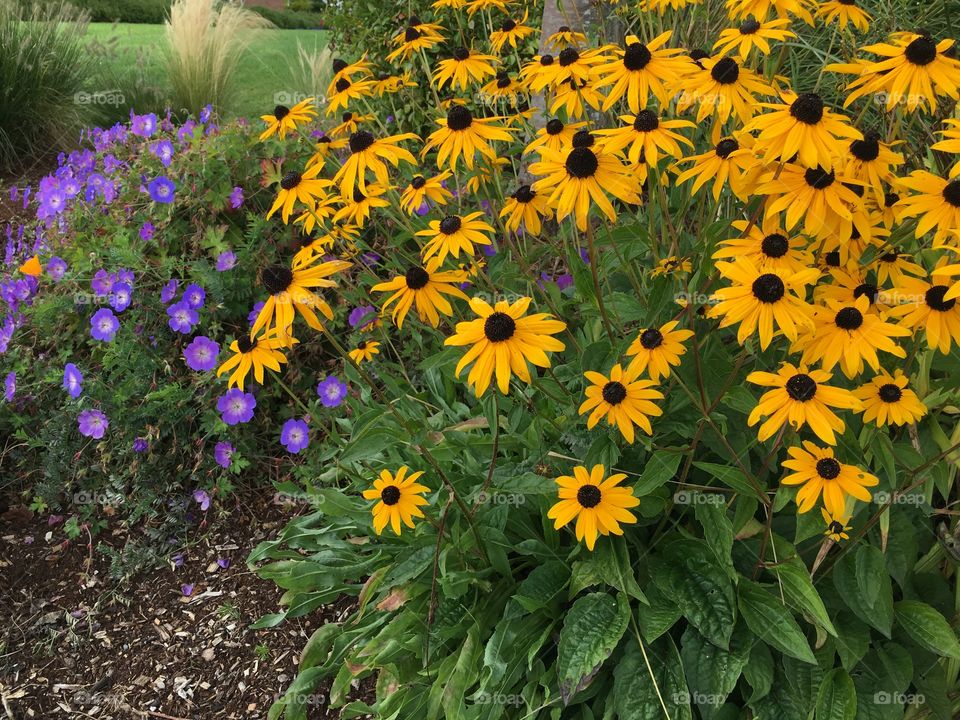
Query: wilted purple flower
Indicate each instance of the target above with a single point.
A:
(236, 406)
(146, 231)
(161, 190)
(169, 291)
(201, 354)
(10, 386)
(187, 589)
(194, 295)
(163, 150)
(120, 296)
(93, 424)
(226, 260)
(585, 255)
(56, 268)
(362, 315)
(183, 318)
(223, 454)
(177, 560)
(424, 208)
(223, 562)
(206, 113)
(252, 316)
(332, 391)
(143, 125)
(127, 276)
(564, 281)
(236, 197)
(102, 282)
(202, 499)
(72, 380)
(294, 435)
(140, 445)
(104, 325)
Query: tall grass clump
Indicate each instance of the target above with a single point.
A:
(313, 71)
(43, 68)
(205, 39)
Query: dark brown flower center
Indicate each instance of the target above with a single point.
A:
(582, 139)
(835, 527)
(418, 182)
(499, 327)
(935, 301)
(461, 54)
(832, 258)
(546, 60)
(290, 180)
(636, 57)
(646, 121)
(281, 111)
(459, 118)
(768, 288)
(828, 468)
(342, 84)
(508, 25)
(589, 496)
(651, 338)
(848, 318)
(360, 141)
(390, 495)
(951, 193)
(582, 163)
(890, 198)
(801, 387)
(749, 27)
(725, 147)
(867, 149)
(890, 393)
(417, 278)
(568, 56)
(818, 178)
(725, 71)
(868, 289)
(554, 127)
(775, 245)
(276, 279)
(921, 51)
(246, 343)
(524, 194)
(614, 392)
(411, 34)
(450, 224)
(807, 108)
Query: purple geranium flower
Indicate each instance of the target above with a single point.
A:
(163, 150)
(202, 499)
(201, 354)
(255, 313)
(332, 391)
(10, 386)
(295, 435)
(146, 231)
(161, 190)
(182, 317)
(236, 197)
(564, 281)
(194, 295)
(102, 282)
(187, 589)
(143, 125)
(72, 380)
(223, 454)
(226, 260)
(362, 315)
(56, 268)
(140, 445)
(223, 562)
(104, 325)
(169, 291)
(93, 424)
(236, 406)
(120, 296)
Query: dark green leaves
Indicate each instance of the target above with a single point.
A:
(772, 622)
(591, 630)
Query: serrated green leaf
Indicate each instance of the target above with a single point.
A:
(927, 627)
(837, 698)
(772, 622)
(637, 697)
(591, 630)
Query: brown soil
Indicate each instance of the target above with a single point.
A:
(75, 642)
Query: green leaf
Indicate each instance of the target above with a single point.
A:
(591, 630)
(660, 468)
(731, 477)
(637, 697)
(880, 615)
(543, 585)
(712, 673)
(658, 616)
(799, 592)
(759, 671)
(837, 698)
(711, 512)
(927, 627)
(772, 622)
(871, 568)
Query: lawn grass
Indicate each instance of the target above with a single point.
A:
(268, 66)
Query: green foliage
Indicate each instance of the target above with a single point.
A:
(125, 11)
(291, 19)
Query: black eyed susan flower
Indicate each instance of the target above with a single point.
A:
(414, 39)
(623, 399)
(836, 526)
(502, 87)
(484, 174)
(872, 162)
(936, 202)
(640, 70)
(356, 208)
(730, 161)
(349, 123)
(525, 207)
(802, 397)
(292, 290)
(661, 6)
(464, 69)
(538, 74)
(434, 30)
(345, 90)
(423, 287)
(284, 119)
(369, 153)
(950, 143)
(849, 285)
(304, 188)
(565, 37)
(325, 207)
(323, 147)
(571, 65)
(888, 401)
(896, 267)
(752, 34)
(742, 9)
(818, 197)
(646, 136)
(461, 135)
(724, 87)
(920, 304)
(455, 234)
(574, 96)
(474, 6)
(449, 4)
(848, 334)
(422, 189)
(399, 499)
(844, 12)
(655, 349)
(818, 471)
(916, 69)
(341, 68)
(555, 135)
(599, 504)
(672, 265)
(390, 84)
(364, 351)
(804, 127)
(576, 176)
(762, 300)
(503, 340)
(767, 247)
(510, 31)
(251, 352)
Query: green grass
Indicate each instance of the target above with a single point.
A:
(268, 66)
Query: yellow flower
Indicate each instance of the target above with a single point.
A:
(723, 87)
(421, 189)
(820, 472)
(364, 351)
(767, 246)
(304, 187)
(600, 505)
(293, 290)
(525, 207)
(623, 399)
(252, 352)
(731, 160)
(564, 37)
(464, 69)
(510, 31)
(454, 234)
(286, 119)
(836, 526)
(345, 91)
(752, 34)
(937, 202)
(844, 12)
(369, 153)
(462, 135)
(640, 70)
(646, 135)
(818, 197)
(423, 287)
(656, 349)
(400, 499)
(888, 401)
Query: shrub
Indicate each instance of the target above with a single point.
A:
(152, 12)
(204, 40)
(43, 66)
(290, 19)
